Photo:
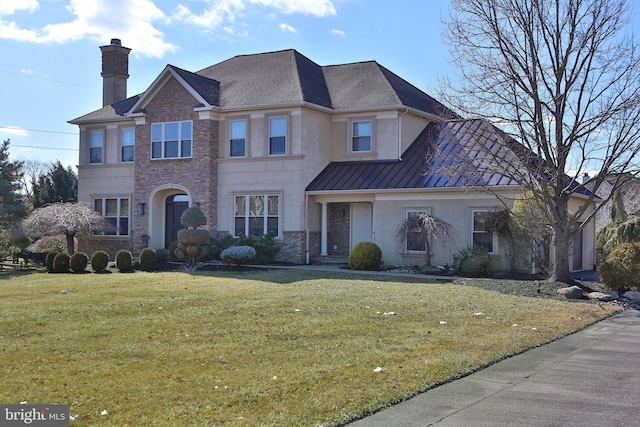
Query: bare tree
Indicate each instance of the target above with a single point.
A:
(562, 80)
(32, 169)
(418, 230)
(70, 219)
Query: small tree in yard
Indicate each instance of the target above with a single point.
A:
(70, 219)
(417, 231)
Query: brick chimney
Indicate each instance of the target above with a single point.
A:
(115, 72)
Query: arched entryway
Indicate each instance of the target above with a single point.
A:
(167, 202)
(175, 206)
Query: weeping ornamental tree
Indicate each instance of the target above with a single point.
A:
(561, 78)
(418, 230)
(69, 219)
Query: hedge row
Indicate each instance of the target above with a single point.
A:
(60, 262)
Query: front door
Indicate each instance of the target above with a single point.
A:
(174, 208)
(360, 223)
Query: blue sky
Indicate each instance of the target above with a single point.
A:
(50, 67)
(50, 57)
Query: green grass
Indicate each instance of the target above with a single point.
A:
(280, 347)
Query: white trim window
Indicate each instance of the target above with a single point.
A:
(237, 138)
(479, 235)
(257, 215)
(415, 239)
(96, 146)
(171, 140)
(115, 211)
(277, 136)
(128, 145)
(361, 133)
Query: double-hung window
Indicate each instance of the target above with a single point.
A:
(237, 138)
(96, 143)
(171, 140)
(480, 236)
(257, 215)
(415, 232)
(128, 145)
(115, 212)
(361, 136)
(277, 135)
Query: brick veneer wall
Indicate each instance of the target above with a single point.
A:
(89, 245)
(198, 174)
(292, 247)
(338, 233)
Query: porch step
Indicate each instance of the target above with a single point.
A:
(331, 260)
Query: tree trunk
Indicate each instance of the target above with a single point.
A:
(561, 271)
(70, 244)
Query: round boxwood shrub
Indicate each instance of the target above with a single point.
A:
(79, 261)
(99, 261)
(124, 260)
(238, 255)
(620, 271)
(365, 256)
(61, 263)
(148, 259)
(49, 260)
(172, 249)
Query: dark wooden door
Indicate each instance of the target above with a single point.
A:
(175, 207)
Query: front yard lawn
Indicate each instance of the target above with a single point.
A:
(280, 347)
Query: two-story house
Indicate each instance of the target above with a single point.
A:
(324, 157)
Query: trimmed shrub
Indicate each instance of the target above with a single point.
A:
(365, 256)
(620, 271)
(49, 260)
(238, 255)
(124, 260)
(172, 249)
(216, 246)
(472, 261)
(265, 247)
(79, 261)
(99, 261)
(61, 263)
(148, 259)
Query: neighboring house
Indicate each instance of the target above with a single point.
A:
(324, 157)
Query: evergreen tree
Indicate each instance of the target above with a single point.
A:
(57, 185)
(12, 207)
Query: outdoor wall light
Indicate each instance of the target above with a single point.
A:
(141, 208)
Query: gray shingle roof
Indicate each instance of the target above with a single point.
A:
(289, 78)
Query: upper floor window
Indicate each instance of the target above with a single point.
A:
(96, 144)
(128, 145)
(115, 212)
(238, 138)
(361, 136)
(480, 236)
(277, 135)
(257, 215)
(171, 140)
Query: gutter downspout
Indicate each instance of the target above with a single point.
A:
(306, 229)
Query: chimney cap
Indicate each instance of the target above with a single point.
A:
(116, 42)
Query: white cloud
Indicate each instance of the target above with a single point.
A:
(132, 21)
(9, 7)
(221, 11)
(287, 28)
(338, 32)
(13, 131)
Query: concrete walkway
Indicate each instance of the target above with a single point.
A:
(590, 378)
